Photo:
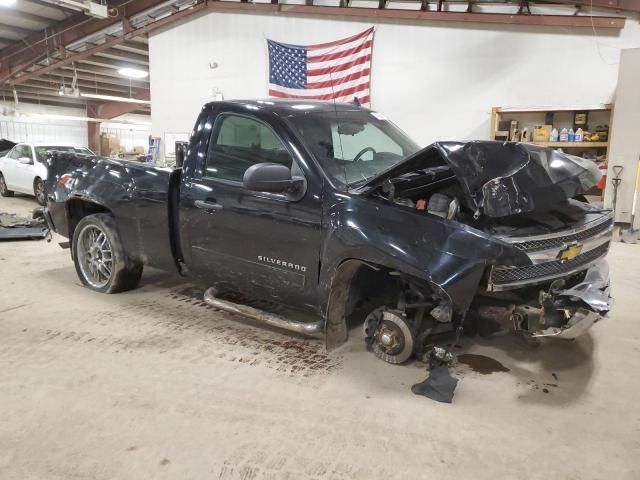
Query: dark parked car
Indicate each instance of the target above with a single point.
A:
(333, 210)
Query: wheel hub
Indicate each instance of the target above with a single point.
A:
(389, 335)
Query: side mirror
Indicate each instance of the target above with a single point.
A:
(274, 178)
(25, 160)
(181, 152)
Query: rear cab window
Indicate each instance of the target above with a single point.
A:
(41, 152)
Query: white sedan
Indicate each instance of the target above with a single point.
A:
(23, 169)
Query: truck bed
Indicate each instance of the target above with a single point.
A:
(136, 194)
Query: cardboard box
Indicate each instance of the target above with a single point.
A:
(109, 143)
(541, 133)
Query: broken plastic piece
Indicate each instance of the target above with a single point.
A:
(439, 385)
(13, 227)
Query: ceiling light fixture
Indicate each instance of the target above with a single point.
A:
(115, 99)
(131, 72)
(7, 3)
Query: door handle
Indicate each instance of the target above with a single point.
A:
(209, 206)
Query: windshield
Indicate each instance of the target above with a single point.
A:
(353, 146)
(41, 152)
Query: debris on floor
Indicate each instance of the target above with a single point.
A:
(13, 227)
(438, 386)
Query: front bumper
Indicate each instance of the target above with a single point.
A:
(559, 312)
(579, 323)
(581, 305)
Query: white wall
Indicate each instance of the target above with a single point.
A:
(625, 142)
(42, 130)
(436, 81)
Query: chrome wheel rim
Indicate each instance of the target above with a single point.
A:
(40, 194)
(95, 256)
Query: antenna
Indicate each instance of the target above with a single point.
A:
(335, 111)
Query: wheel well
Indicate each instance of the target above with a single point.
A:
(370, 287)
(77, 209)
(357, 288)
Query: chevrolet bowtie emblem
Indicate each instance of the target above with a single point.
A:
(571, 252)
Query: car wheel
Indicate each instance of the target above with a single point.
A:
(4, 191)
(40, 192)
(100, 259)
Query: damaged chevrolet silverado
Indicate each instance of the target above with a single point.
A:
(333, 211)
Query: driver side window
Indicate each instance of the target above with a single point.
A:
(239, 142)
(346, 146)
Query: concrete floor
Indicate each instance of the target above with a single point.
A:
(153, 384)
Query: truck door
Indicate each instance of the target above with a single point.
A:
(257, 243)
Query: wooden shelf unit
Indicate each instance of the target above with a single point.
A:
(572, 144)
(562, 117)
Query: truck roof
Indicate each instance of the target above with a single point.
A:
(288, 107)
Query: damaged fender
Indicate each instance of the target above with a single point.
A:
(449, 256)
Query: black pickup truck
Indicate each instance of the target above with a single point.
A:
(333, 211)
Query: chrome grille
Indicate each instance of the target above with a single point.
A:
(505, 275)
(559, 242)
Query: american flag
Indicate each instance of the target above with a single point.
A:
(339, 70)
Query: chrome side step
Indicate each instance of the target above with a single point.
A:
(312, 329)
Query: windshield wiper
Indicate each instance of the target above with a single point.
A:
(358, 182)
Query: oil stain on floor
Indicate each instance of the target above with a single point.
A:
(482, 364)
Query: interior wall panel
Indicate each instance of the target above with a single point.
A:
(435, 81)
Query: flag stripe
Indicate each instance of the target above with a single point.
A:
(339, 81)
(327, 96)
(321, 91)
(339, 68)
(341, 42)
(340, 54)
(346, 46)
(341, 61)
(335, 76)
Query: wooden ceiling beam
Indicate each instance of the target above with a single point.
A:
(419, 15)
(631, 5)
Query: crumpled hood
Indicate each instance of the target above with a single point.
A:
(502, 178)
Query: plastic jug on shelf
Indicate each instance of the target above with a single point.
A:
(564, 135)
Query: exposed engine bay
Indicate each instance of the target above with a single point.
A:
(563, 288)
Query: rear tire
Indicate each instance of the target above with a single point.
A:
(40, 192)
(99, 257)
(4, 191)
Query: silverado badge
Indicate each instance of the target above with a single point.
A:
(571, 252)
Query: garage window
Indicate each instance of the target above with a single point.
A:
(239, 142)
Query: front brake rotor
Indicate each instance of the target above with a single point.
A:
(389, 335)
